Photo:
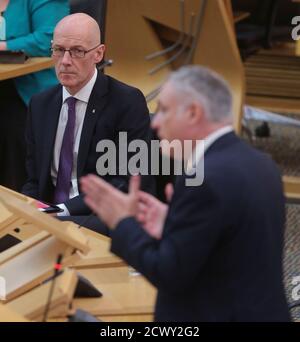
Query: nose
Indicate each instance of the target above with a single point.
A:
(66, 59)
(155, 122)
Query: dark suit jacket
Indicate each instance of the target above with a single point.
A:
(113, 107)
(220, 257)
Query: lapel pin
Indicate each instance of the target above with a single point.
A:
(94, 111)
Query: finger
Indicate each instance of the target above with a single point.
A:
(146, 198)
(141, 218)
(89, 189)
(142, 208)
(100, 183)
(94, 206)
(140, 214)
(95, 187)
(134, 185)
(169, 191)
(96, 183)
(87, 184)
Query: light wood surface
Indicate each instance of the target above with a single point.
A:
(99, 255)
(33, 64)
(127, 318)
(9, 225)
(65, 231)
(27, 264)
(123, 294)
(276, 105)
(32, 304)
(292, 187)
(33, 265)
(8, 315)
(126, 298)
(273, 81)
(129, 39)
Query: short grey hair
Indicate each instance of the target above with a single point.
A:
(210, 90)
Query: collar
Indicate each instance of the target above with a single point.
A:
(213, 137)
(201, 148)
(84, 93)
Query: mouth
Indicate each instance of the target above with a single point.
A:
(159, 135)
(66, 73)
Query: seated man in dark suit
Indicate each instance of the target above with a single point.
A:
(67, 121)
(215, 254)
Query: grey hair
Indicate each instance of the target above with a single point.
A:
(206, 87)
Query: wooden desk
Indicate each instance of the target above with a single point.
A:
(7, 315)
(100, 255)
(31, 65)
(125, 297)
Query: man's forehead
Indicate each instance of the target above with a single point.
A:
(69, 40)
(168, 93)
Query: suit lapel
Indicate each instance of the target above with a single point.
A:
(96, 103)
(51, 122)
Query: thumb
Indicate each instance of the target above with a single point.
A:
(169, 191)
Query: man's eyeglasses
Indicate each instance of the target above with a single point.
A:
(58, 51)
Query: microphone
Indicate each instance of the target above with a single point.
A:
(57, 268)
(106, 63)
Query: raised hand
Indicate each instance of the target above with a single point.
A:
(152, 213)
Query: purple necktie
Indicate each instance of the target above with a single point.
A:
(63, 182)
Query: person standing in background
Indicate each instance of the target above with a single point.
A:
(29, 26)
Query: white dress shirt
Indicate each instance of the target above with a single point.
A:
(82, 96)
(197, 153)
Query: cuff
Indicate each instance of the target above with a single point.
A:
(65, 211)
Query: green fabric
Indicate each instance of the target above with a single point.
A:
(29, 27)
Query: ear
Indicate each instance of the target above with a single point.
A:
(99, 53)
(195, 114)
